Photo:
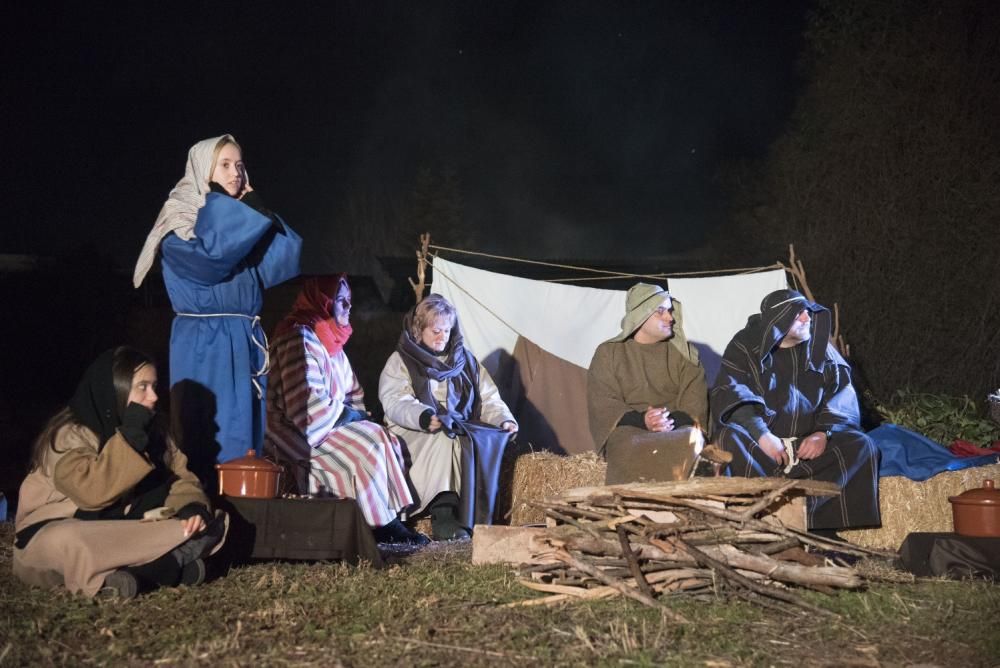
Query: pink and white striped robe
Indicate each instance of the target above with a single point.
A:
(307, 390)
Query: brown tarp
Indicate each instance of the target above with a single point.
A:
(549, 398)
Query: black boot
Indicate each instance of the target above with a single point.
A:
(120, 583)
(193, 573)
(444, 517)
(161, 572)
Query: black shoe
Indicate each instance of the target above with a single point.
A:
(444, 518)
(397, 532)
(418, 538)
(193, 573)
(122, 584)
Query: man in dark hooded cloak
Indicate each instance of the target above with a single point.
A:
(784, 405)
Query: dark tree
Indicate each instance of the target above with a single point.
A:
(888, 184)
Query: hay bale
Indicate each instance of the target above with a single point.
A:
(423, 525)
(909, 506)
(541, 475)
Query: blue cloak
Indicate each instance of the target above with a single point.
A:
(217, 292)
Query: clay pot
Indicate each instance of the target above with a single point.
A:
(977, 511)
(249, 476)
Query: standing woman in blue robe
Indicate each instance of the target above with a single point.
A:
(221, 248)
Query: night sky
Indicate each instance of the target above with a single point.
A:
(581, 129)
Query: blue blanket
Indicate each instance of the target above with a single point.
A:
(917, 457)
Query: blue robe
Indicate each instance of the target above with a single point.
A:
(213, 359)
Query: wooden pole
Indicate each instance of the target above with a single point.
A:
(798, 273)
(421, 285)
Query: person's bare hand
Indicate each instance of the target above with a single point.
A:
(193, 525)
(773, 448)
(658, 419)
(435, 424)
(245, 178)
(812, 446)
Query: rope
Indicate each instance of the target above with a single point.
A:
(468, 294)
(607, 273)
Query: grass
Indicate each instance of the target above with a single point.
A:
(435, 608)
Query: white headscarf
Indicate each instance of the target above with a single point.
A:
(180, 211)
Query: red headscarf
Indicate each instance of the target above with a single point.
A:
(313, 308)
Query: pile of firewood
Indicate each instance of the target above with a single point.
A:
(704, 537)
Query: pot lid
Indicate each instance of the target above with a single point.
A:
(249, 462)
(987, 495)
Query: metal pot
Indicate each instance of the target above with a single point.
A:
(977, 511)
(249, 476)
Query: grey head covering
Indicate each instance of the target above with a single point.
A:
(641, 302)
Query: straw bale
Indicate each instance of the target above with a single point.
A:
(909, 506)
(541, 475)
(423, 525)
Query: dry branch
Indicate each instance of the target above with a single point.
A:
(719, 537)
(420, 285)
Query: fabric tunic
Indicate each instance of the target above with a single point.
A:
(215, 282)
(627, 376)
(798, 391)
(435, 459)
(308, 392)
(80, 554)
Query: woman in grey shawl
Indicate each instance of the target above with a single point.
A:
(449, 417)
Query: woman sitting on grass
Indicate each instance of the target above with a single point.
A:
(100, 466)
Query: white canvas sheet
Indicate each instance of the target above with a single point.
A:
(717, 307)
(570, 321)
(565, 320)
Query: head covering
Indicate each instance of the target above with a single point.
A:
(313, 308)
(180, 211)
(456, 366)
(95, 403)
(641, 302)
(778, 312)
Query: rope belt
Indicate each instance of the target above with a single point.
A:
(793, 459)
(254, 328)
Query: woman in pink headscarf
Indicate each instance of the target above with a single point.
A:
(316, 417)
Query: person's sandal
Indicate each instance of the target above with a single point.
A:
(120, 583)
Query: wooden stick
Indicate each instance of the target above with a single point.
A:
(775, 547)
(619, 585)
(569, 520)
(568, 509)
(746, 583)
(633, 563)
(768, 499)
(420, 285)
